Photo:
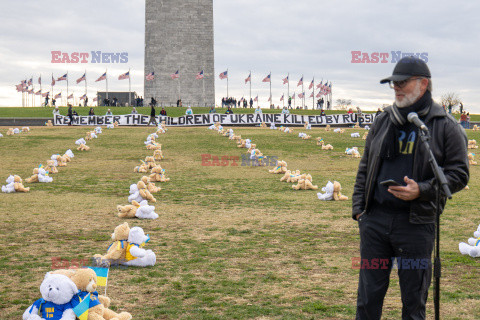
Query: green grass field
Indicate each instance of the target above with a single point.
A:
(232, 242)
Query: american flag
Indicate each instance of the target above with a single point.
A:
(30, 91)
(102, 77)
(83, 97)
(301, 95)
(64, 77)
(150, 76)
(256, 98)
(293, 96)
(199, 75)
(285, 80)
(82, 78)
(53, 80)
(300, 82)
(281, 99)
(175, 75)
(311, 85)
(320, 85)
(38, 93)
(329, 89)
(58, 96)
(70, 96)
(124, 76)
(270, 99)
(19, 87)
(40, 80)
(224, 75)
(30, 82)
(267, 78)
(23, 83)
(311, 95)
(45, 94)
(319, 94)
(95, 99)
(249, 79)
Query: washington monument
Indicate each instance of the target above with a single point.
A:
(179, 36)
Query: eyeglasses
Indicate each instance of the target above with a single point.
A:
(401, 84)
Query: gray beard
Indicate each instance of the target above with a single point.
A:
(410, 98)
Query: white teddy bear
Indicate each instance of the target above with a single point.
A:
(473, 246)
(272, 126)
(136, 255)
(1, 135)
(134, 194)
(16, 131)
(110, 126)
(98, 130)
(80, 141)
(43, 176)
(328, 195)
(355, 135)
(367, 127)
(69, 153)
(57, 292)
(10, 186)
(248, 143)
(301, 134)
(145, 211)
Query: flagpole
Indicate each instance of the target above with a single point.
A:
(203, 85)
(227, 83)
(51, 98)
(40, 89)
(106, 83)
(288, 84)
(179, 88)
(129, 88)
(85, 87)
(271, 102)
(313, 96)
(250, 85)
(67, 88)
(33, 95)
(303, 92)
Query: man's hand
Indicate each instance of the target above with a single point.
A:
(408, 193)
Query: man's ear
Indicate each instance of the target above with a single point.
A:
(423, 84)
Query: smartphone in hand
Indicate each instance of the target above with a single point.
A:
(389, 183)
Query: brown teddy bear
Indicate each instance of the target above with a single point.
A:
(150, 185)
(241, 143)
(306, 137)
(472, 144)
(86, 281)
(263, 125)
(34, 177)
(327, 128)
(475, 127)
(51, 168)
(336, 192)
(144, 193)
(280, 168)
(471, 159)
(88, 136)
(82, 147)
(49, 123)
(157, 155)
(128, 211)
(117, 250)
(286, 175)
(305, 184)
(150, 162)
(327, 147)
(357, 125)
(158, 175)
(295, 176)
(320, 141)
(61, 160)
(154, 146)
(143, 168)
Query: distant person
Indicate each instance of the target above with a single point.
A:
(285, 110)
(258, 110)
(134, 111)
(244, 103)
(86, 101)
(378, 112)
(56, 111)
(91, 112)
(75, 113)
(251, 103)
(109, 113)
(152, 116)
(53, 102)
(229, 110)
(189, 111)
(289, 102)
(46, 100)
(322, 113)
(70, 114)
(212, 110)
(163, 112)
(461, 108)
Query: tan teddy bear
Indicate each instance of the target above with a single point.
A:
(34, 177)
(472, 144)
(150, 162)
(365, 135)
(327, 147)
(18, 185)
(280, 168)
(49, 123)
(158, 175)
(51, 168)
(25, 129)
(336, 192)
(357, 125)
(305, 183)
(154, 146)
(320, 141)
(306, 137)
(475, 127)
(143, 168)
(61, 161)
(10, 132)
(241, 143)
(144, 193)
(88, 136)
(471, 159)
(157, 155)
(263, 125)
(327, 128)
(128, 211)
(294, 177)
(82, 147)
(117, 250)
(150, 185)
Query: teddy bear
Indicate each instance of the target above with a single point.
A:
(307, 126)
(337, 196)
(157, 155)
(25, 129)
(295, 176)
(69, 155)
(357, 125)
(117, 249)
(143, 168)
(154, 146)
(320, 141)
(471, 159)
(10, 132)
(144, 193)
(57, 292)
(288, 130)
(160, 131)
(83, 147)
(98, 130)
(472, 248)
(14, 184)
(150, 162)
(306, 137)
(88, 136)
(327, 147)
(110, 126)
(241, 143)
(228, 133)
(475, 127)
(86, 281)
(305, 184)
(272, 126)
(150, 185)
(327, 128)
(280, 168)
(472, 144)
(355, 135)
(1, 135)
(49, 123)
(365, 135)
(151, 139)
(158, 175)
(353, 152)
(136, 255)
(137, 210)
(34, 177)
(16, 131)
(80, 141)
(248, 143)
(128, 211)
(115, 124)
(286, 175)
(328, 192)
(61, 161)
(263, 125)
(134, 194)
(338, 130)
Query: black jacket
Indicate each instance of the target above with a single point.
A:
(449, 146)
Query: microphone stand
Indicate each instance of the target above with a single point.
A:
(442, 185)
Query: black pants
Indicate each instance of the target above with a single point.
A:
(384, 238)
(152, 119)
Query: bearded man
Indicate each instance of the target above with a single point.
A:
(397, 222)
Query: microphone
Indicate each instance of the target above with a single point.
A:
(413, 118)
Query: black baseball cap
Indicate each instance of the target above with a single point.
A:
(408, 67)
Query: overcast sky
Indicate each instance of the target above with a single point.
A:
(309, 37)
